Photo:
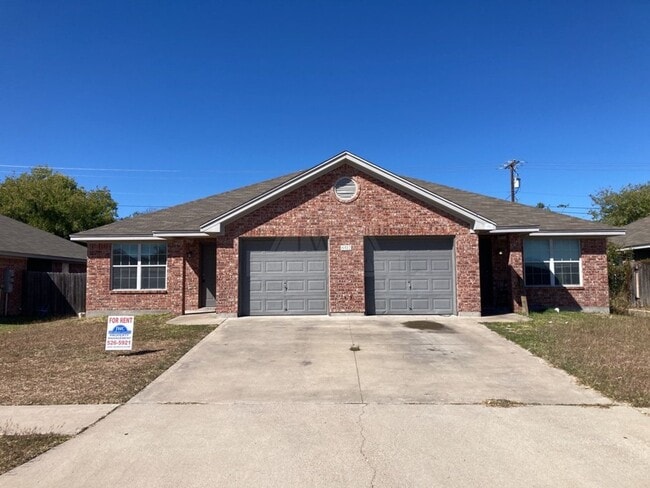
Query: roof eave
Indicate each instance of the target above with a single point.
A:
(171, 234)
(43, 256)
(635, 248)
(514, 230)
(115, 238)
(216, 225)
(578, 233)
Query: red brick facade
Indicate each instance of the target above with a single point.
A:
(313, 211)
(19, 265)
(592, 295)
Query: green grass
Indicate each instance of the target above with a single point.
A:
(610, 353)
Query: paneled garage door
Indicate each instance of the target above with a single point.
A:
(409, 276)
(284, 276)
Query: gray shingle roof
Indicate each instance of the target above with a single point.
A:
(637, 234)
(189, 217)
(508, 214)
(18, 239)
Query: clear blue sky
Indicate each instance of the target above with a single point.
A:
(163, 102)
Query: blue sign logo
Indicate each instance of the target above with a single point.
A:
(119, 330)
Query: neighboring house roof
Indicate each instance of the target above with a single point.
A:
(22, 240)
(637, 235)
(207, 216)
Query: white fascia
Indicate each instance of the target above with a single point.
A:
(595, 233)
(172, 234)
(478, 222)
(116, 238)
(515, 230)
(635, 248)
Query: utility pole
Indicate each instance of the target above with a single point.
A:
(514, 177)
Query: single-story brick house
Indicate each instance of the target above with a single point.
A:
(636, 239)
(26, 248)
(347, 237)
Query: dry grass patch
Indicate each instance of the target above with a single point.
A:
(610, 353)
(18, 449)
(64, 362)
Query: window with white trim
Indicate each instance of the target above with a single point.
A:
(552, 262)
(139, 266)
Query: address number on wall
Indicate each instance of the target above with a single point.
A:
(346, 247)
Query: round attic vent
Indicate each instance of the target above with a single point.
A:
(346, 189)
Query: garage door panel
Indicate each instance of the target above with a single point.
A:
(444, 285)
(256, 267)
(380, 267)
(420, 285)
(316, 285)
(295, 286)
(318, 304)
(255, 306)
(421, 305)
(419, 265)
(273, 267)
(296, 305)
(284, 276)
(444, 304)
(440, 265)
(398, 305)
(272, 306)
(394, 284)
(409, 276)
(295, 267)
(273, 286)
(319, 266)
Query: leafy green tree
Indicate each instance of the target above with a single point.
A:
(620, 208)
(55, 203)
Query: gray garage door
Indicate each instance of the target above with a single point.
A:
(409, 276)
(284, 276)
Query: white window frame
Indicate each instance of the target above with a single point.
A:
(551, 264)
(138, 266)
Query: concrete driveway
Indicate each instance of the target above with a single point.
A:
(285, 402)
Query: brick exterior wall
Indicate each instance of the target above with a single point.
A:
(14, 303)
(314, 211)
(379, 210)
(100, 298)
(592, 295)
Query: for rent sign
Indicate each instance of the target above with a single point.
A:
(119, 333)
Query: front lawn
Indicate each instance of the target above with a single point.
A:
(63, 361)
(18, 449)
(610, 353)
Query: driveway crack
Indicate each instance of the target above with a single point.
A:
(356, 363)
(362, 447)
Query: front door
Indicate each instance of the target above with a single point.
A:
(208, 275)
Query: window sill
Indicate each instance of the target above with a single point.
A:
(138, 292)
(555, 287)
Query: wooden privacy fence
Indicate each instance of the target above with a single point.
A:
(640, 284)
(54, 293)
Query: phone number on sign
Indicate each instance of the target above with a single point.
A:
(118, 342)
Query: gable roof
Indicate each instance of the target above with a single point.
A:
(637, 235)
(208, 216)
(22, 240)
